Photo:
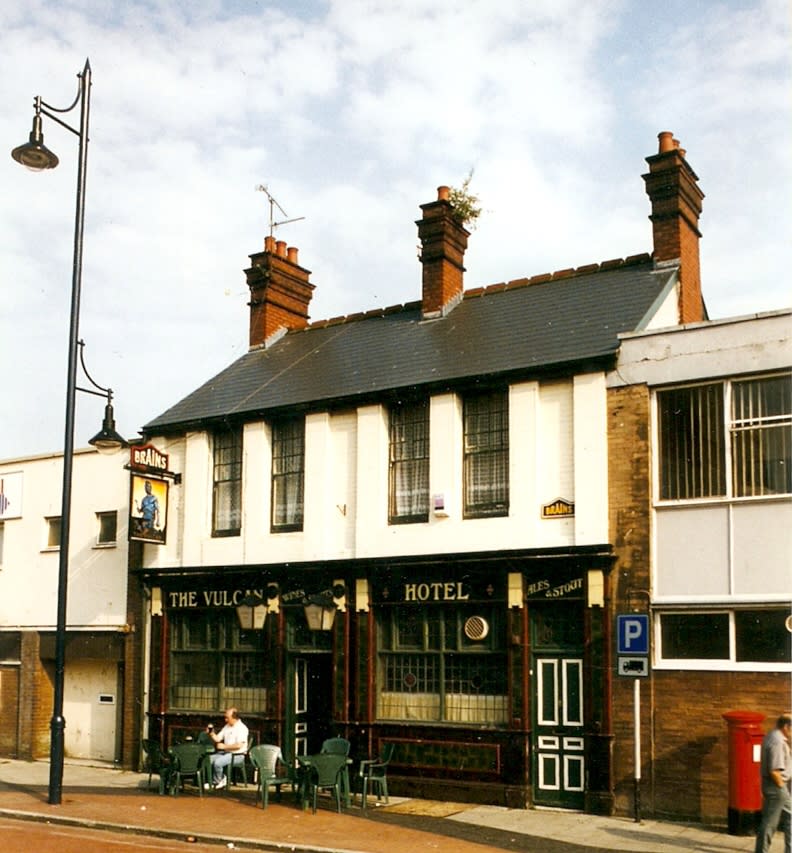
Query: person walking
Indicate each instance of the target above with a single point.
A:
(776, 773)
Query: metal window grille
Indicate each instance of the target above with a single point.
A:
(692, 445)
(698, 443)
(486, 454)
(409, 462)
(227, 479)
(214, 665)
(288, 474)
(761, 434)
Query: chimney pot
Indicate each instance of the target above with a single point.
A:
(280, 292)
(666, 141)
(442, 193)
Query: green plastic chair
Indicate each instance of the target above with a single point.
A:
(188, 761)
(335, 746)
(325, 772)
(273, 771)
(156, 762)
(239, 762)
(374, 774)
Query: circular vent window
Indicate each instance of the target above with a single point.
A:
(476, 628)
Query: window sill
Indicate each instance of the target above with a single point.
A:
(720, 666)
(721, 500)
(100, 546)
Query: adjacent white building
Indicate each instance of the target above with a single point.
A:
(97, 614)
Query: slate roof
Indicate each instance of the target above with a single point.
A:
(530, 327)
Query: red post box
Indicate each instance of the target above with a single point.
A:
(745, 788)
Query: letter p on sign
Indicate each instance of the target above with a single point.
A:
(633, 634)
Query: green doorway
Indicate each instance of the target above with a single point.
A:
(558, 736)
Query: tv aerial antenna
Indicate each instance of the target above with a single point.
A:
(272, 205)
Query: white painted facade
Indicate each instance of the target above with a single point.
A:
(97, 589)
(557, 449)
(29, 567)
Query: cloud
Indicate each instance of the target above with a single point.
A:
(352, 112)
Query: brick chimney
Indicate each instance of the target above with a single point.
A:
(279, 291)
(672, 187)
(443, 244)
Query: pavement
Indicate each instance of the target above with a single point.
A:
(101, 797)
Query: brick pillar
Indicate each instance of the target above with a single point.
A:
(629, 521)
(443, 244)
(672, 187)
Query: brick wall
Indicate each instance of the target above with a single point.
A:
(35, 699)
(683, 735)
(689, 772)
(629, 486)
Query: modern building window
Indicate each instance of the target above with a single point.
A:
(227, 480)
(486, 454)
(408, 476)
(288, 474)
(743, 425)
(442, 664)
(53, 531)
(761, 436)
(107, 523)
(214, 664)
(740, 639)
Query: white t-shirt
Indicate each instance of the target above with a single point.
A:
(235, 733)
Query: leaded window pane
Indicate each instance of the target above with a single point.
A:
(427, 673)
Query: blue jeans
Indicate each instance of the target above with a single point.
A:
(220, 760)
(775, 815)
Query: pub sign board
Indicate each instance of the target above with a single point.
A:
(148, 509)
(148, 498)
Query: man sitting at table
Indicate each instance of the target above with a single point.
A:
(233, 737)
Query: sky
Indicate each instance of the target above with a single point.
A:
(352, 113)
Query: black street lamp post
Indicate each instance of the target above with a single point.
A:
(35, 156)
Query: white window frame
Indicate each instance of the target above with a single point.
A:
(106, 543)
(49, 521)
(714, 664)
(728, 429)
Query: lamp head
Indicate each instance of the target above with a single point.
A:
(34, 154)
(107, 440)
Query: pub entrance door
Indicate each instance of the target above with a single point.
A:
(309, 702)
(559, 745)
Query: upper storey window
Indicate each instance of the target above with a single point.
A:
(408, 477)
(486, 454)
(726, 439)
(227, 482)
(288, 474)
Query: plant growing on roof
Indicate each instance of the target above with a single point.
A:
(466, 208)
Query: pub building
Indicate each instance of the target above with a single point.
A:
(395, 526)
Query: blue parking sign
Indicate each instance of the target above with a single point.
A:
(633, 634)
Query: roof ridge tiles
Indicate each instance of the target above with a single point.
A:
(484, 290)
